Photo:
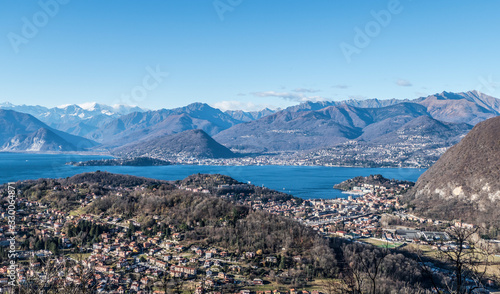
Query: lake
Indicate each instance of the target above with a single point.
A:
(302, 181)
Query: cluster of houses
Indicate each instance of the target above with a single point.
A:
(350, 217)
(121, 261)
(414, 236)
(411, 151)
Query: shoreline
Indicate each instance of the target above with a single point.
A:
(103, 153)
(82, 153)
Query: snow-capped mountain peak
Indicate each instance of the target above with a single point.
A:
(75, 118)
(90, 106)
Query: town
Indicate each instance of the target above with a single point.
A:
(412, 151)
(124, 256)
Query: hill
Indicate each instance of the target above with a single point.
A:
(463, 183)
(23, 132)
(151, 124)
(203, 219)
(424, 129)
(223, 186)
(191, 143)
(108, 179)
(373, 180)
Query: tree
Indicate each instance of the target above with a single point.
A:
(53, 247)
(467, 256)
(49, 281)
(282, 263)
(131, 229)
(363, 265)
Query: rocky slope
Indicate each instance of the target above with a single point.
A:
(463, 183)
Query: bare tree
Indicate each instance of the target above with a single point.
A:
(343, 285)
(58, 275)
(467, 257)
(363, 265)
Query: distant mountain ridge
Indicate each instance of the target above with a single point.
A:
(427, 128)
(286, 131)
(84, 110)
(326, 123)
(23, 132)
(307, 126)
(75, 119)
(156, 123)
(467, 107)
(246, 116)
(366, 103)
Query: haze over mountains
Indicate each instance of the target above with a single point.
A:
(446, 117)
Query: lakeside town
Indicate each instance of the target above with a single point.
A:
(350, 154)
(127, 258)
(415, 151)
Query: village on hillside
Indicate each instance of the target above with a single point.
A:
(125, 257)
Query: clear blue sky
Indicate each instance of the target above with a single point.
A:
(259, 53)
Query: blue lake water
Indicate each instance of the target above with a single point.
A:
(301, 181)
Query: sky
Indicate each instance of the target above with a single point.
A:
(244, 54)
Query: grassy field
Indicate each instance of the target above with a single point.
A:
(429, 252)
(382, 244)
(76, 212)
(424, 250)
(317, 284)
(79, 256)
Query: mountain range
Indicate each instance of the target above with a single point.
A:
(151, 124)
(307, 126)
(470, 107)
(23, 132)
(310, 129)
(245, 116)
(74, 119)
